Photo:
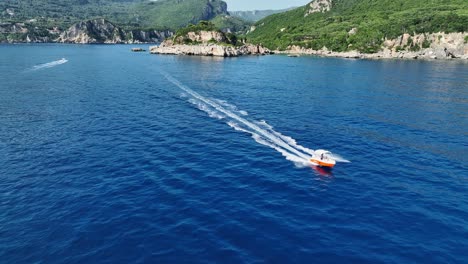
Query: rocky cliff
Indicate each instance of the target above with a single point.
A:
(85, 32)
(103, 31)
(203, 36)
(151, 36)
(212, 9)
(93, 31)
(435, 45)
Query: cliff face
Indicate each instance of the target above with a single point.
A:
(436, 45)
(203, 37)
(86, 32)
(212, 9)
(139, 36)
(93, 31)
(103, 31)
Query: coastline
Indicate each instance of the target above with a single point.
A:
(427, 54)
(227, 51)
(433, 46)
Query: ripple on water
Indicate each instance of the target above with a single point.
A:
(103, 160)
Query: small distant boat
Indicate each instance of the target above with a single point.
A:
(323, 158)
(293, 55)
(137, 49)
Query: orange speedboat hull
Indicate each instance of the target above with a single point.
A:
(323, 163)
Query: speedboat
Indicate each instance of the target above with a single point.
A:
(323, 158)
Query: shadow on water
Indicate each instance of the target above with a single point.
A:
(322, 172)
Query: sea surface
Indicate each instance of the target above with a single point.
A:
(109, 156)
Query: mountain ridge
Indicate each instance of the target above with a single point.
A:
(45, 20)
(256, 15)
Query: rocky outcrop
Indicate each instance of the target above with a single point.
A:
(438, 45)
(207, 43)
(209, 50)
(419, 46)
(319, 6)
(103, 31)
(203, 37)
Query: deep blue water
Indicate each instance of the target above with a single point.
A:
(119, 157)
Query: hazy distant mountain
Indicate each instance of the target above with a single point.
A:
(256, 15)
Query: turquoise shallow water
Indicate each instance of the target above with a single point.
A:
(113, 156)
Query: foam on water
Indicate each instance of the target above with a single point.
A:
(291, 141)
(205, 108)
(49, 64)
(261, 131)
(231, 107)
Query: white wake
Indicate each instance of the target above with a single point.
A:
(49, 64)
(260, 131)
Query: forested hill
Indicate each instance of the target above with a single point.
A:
(161, 14)
(362, 25)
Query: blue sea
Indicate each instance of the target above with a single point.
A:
(109, 156)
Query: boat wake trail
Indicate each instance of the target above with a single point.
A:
(48, 65)
(260, 131)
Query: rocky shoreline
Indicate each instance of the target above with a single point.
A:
(427, 54)
(215, 50)
(444, 46)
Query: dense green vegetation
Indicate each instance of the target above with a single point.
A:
(62, 12)
(201, 26)
(374, 20)
(130, 14)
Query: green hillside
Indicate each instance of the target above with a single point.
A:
(142, 14)
(373, 20)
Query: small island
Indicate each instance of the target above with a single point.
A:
(204, 39)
